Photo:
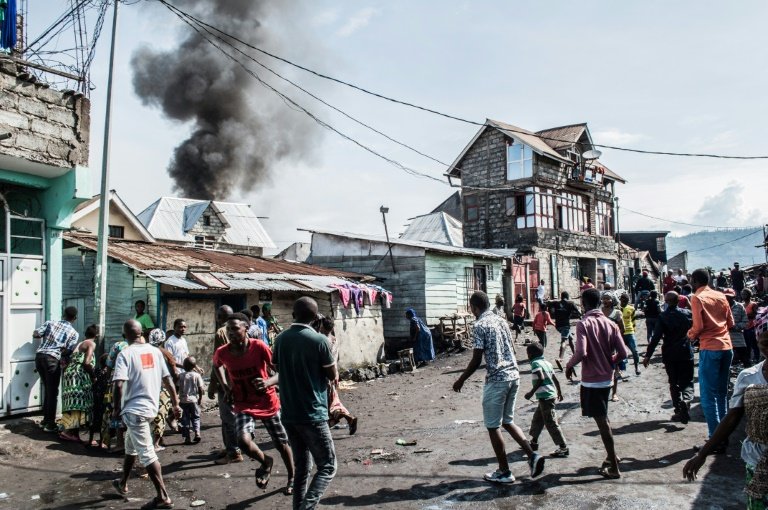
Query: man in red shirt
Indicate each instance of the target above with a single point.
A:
(669, 282)
(242, 368)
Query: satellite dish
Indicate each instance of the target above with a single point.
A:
(592, 154)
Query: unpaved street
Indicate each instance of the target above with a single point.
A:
(37, 471)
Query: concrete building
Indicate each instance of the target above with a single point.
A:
(434, 279)
(539, 194)
(206, 224)
(191, 283)
(43, 178)
(123, 224)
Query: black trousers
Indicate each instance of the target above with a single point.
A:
(680, 374)
(50, 375)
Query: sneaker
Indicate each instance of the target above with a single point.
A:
(561, 452)
(187, 441)
(50, 428)
(536, 462)
(197, 439)
(534, 446)
(499, 477)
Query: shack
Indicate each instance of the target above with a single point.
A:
(434, 279)
(191, 283)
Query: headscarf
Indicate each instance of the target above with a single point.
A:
(414, 315)
(157, 337)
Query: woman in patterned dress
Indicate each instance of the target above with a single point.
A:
(157, 338)
(77, 394)
(110, 428)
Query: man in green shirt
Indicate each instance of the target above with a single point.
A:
(305, 364)
(143, 318)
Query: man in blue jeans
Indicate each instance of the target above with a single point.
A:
(493, 339)
(305, 364)
(712, 319)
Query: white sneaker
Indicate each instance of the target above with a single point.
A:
(500, 477)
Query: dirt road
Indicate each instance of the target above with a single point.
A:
(38, 471)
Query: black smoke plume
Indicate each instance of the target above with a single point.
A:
(240, 129)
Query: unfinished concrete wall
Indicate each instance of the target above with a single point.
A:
(47, 126)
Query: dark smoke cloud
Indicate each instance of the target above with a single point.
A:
(240, 129)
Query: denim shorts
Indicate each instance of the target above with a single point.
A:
(499, 403)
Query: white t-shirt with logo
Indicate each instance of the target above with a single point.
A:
(143, 368)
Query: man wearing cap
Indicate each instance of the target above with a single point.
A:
(737, 279)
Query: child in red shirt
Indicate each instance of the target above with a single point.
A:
(518, 316)
(540, 323)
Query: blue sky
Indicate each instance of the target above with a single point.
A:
(671, 76)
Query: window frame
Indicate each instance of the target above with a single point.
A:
(524, 166)
(471, 209)
(116, 228)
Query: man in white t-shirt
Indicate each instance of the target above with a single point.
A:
(138, 376)
(541, 294)
(177, 344)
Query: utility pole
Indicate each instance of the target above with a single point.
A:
(384, 211)
(101, 253)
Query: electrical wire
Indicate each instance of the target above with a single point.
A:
(727, 242)
(446, 115)
(310, 94)
(678, 222)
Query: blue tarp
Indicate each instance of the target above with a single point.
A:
(7, 24)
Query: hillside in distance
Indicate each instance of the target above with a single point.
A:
(719, 249)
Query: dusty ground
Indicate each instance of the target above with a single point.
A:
(37, 471)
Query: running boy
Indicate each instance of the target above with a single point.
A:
(546, 387)
(540, 323)
(191, 390)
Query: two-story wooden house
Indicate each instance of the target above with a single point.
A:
(539, 194)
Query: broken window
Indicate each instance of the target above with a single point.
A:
(519, 161)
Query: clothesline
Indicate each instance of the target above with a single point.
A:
(355, 294)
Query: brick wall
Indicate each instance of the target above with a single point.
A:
(48, 126)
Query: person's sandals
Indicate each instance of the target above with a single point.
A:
(263, 473)
(288, 491)
(615, 398)
(157, 503)
(119, 488)
(607, 472)
(352, 426)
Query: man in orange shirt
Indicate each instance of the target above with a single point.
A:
(712, 319)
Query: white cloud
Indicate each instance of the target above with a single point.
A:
(615, 137)
(359, 20)
(728, 207)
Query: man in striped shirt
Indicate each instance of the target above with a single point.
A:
(58, 338)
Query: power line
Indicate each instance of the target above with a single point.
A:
(677, 222)
(310, 94)
(297, 107)
(446, 115)
(727, 242)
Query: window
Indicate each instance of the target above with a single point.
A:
(117, 231)
(604, 219)
(472, 209)
(661, 244)
(475, 278)
(205, 242)
(207, 220)
(519, 161)
(521, 207)
(572, 212)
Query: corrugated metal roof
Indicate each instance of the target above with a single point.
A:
(436, 227)
(562, 137)
(165, 219)
(162, 256)
(252, 281)
(441, 248)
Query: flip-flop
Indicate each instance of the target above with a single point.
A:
(263, 473)
(120, 489)
(157, 503)
(606, 472)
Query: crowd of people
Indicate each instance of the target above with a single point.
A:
(148, 382)
(710, 320)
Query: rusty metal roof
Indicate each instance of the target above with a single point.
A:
(145, 257)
